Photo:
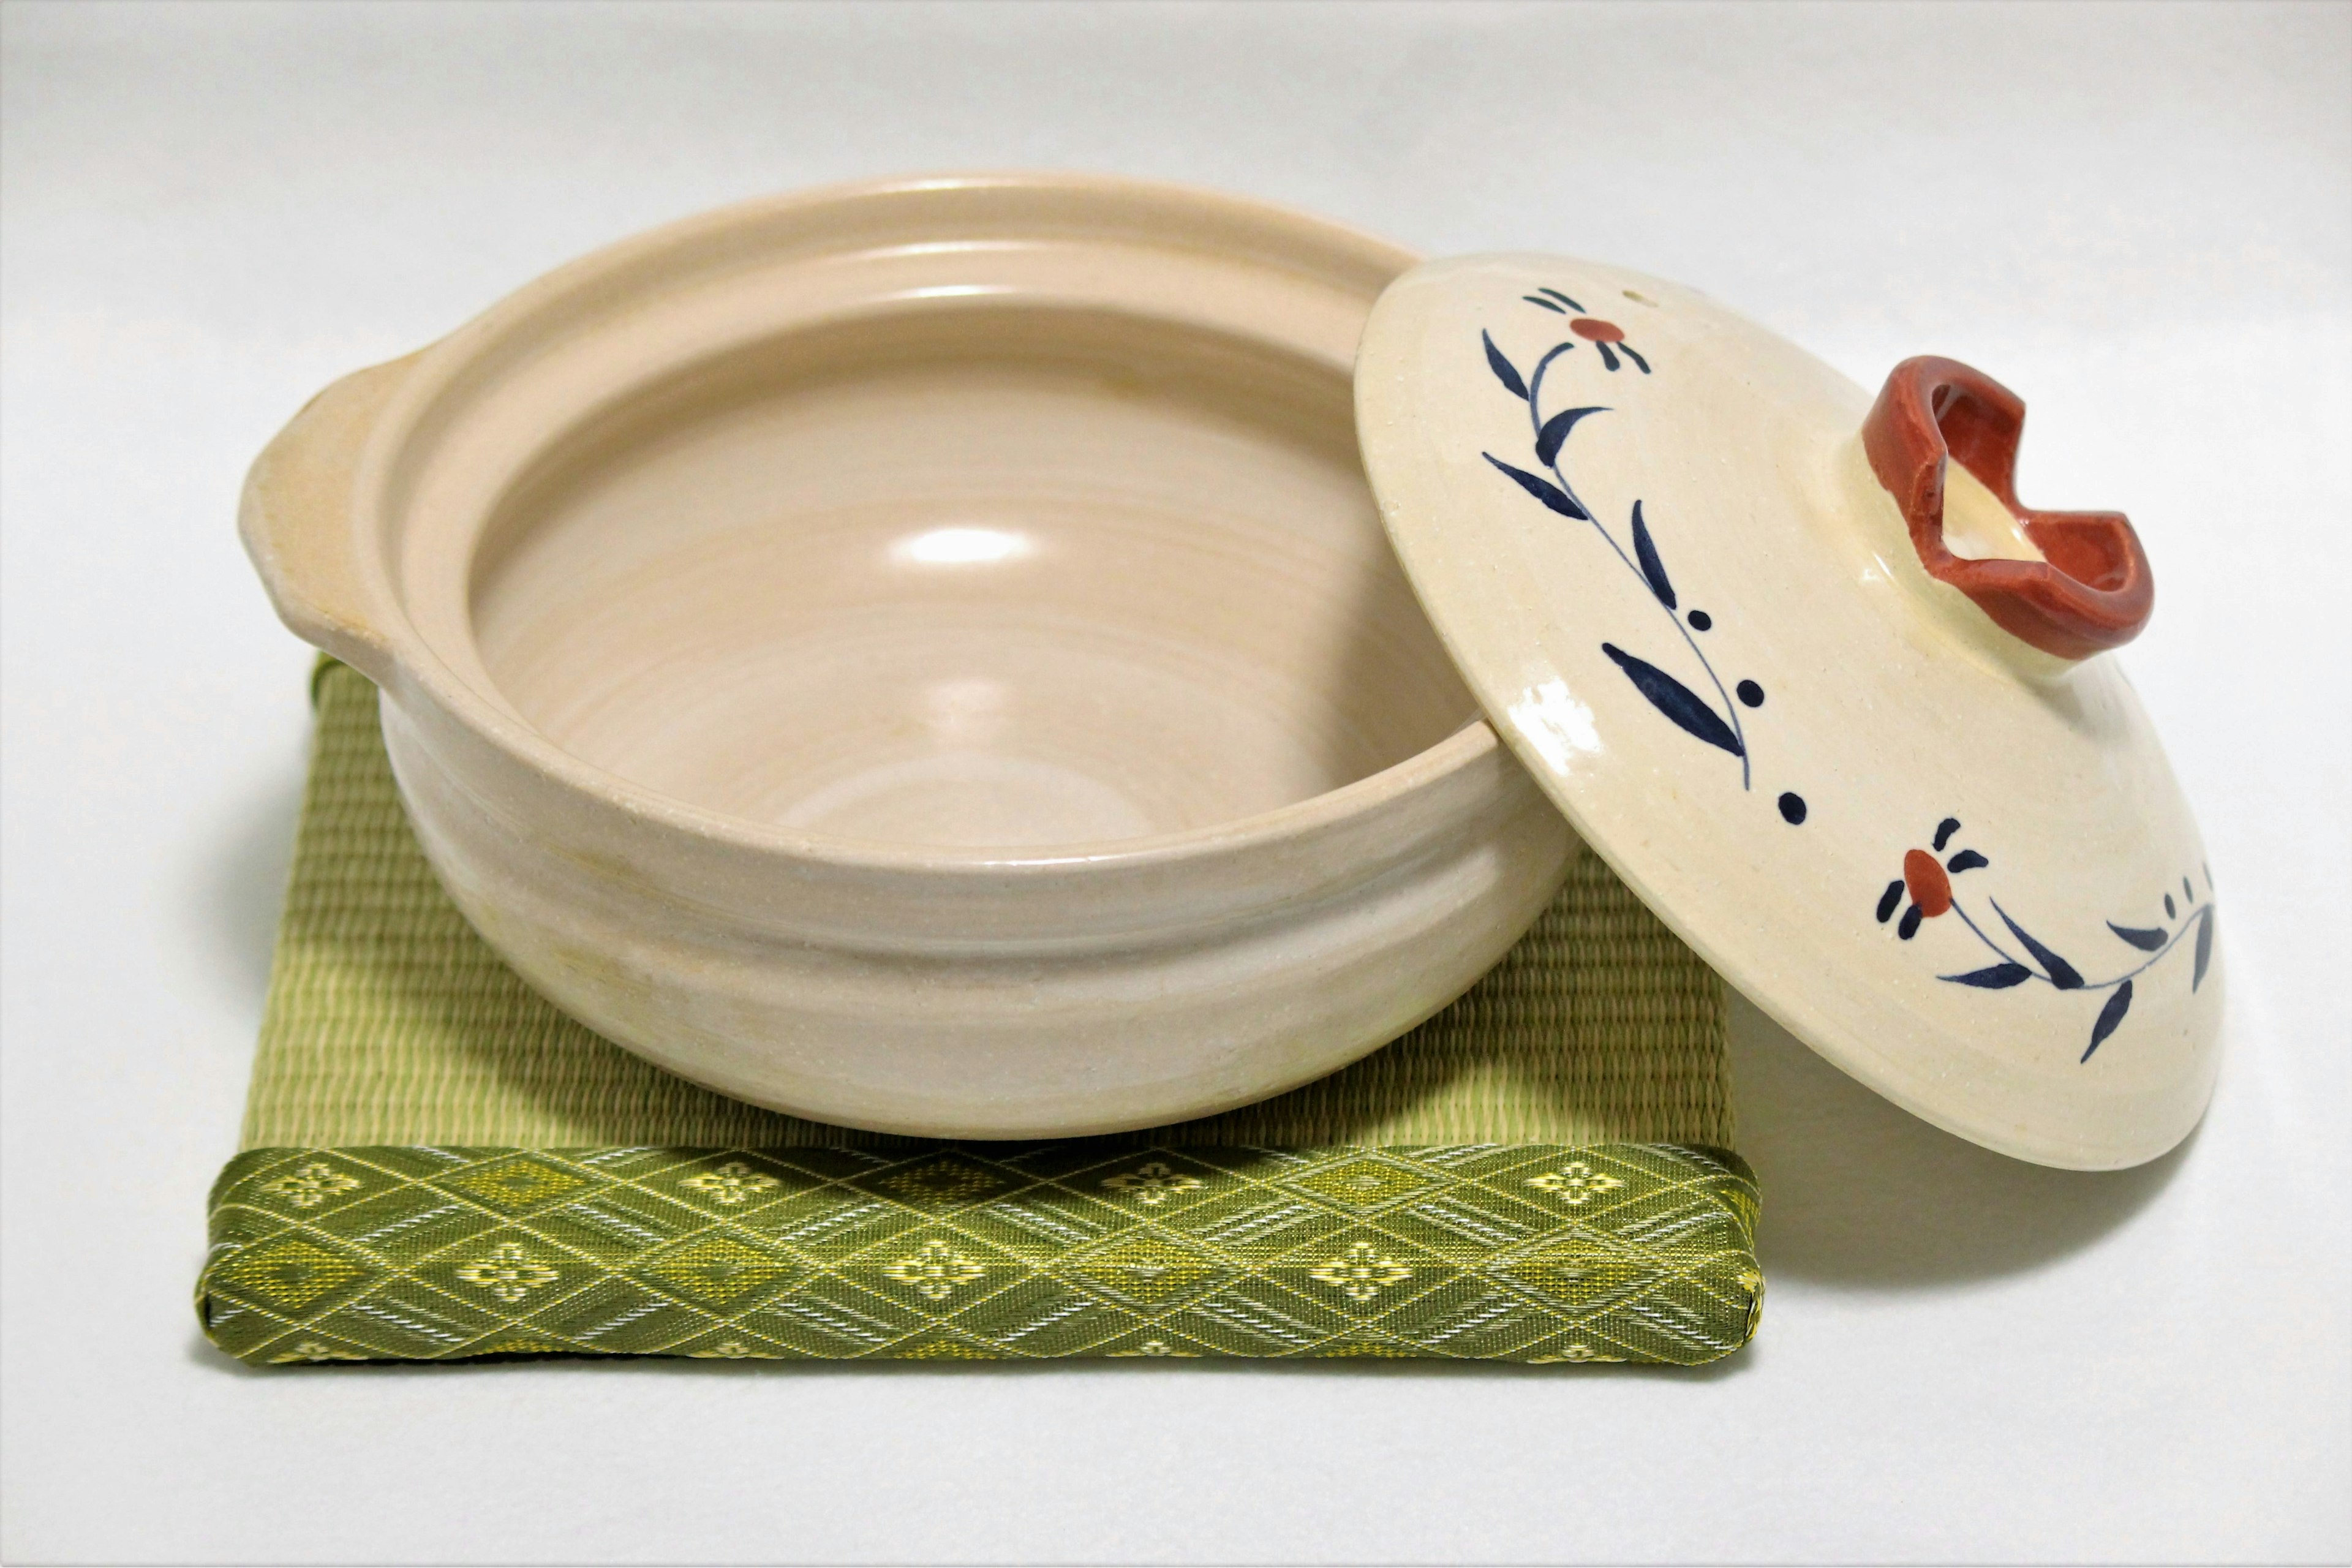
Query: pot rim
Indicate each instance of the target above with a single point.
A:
(1176, 216)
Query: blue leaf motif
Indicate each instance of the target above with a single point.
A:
(1678, 701)
(1505, 371)
(1965, 860)
(2140, 937)
(1889, 900)
(1653, 571)
(1944, 831)
(1543, 490)
(2204, 946)
(1554, 435)
(1994, 977)
(2109, 1017)
(2062, 974)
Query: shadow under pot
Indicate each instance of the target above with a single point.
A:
(925, 659)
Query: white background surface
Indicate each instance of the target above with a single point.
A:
(2142, 219)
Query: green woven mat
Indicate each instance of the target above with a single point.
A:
(438, 1164)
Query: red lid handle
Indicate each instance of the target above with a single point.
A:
(2091, 590)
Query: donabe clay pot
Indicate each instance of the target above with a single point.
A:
(927, 657)
(922, 657)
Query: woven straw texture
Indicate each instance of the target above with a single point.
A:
(1540, 1173)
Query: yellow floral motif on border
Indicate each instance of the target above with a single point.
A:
(1361, 1273)
(733, 1183)
(509, 1273)
(935, 1271)
(1152, 1183)
(311, 1185)
(1575, 1183)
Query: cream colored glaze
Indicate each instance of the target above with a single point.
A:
(922, 657)
(1006, 578)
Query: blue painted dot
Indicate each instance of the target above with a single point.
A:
(1701, 620)
(1752, 693)
(1792, 808)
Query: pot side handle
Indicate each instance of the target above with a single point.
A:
(295, 518)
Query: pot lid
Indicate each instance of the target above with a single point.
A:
(1836, 708)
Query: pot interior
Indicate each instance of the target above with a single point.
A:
(968, 575)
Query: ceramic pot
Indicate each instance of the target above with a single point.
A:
(923, 656)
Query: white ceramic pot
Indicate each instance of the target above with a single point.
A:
(923, 656)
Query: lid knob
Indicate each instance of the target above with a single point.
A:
(2093, 590)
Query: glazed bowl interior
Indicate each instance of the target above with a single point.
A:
(988, 576)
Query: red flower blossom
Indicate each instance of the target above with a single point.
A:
(1928, 881)
(1930, 887)
(1606, 336)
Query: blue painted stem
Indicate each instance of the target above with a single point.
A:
(1730, 709)
(2003, 954)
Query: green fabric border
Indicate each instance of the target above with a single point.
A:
(1533, 1253)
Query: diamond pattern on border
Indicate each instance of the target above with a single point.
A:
(1534, 1253)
